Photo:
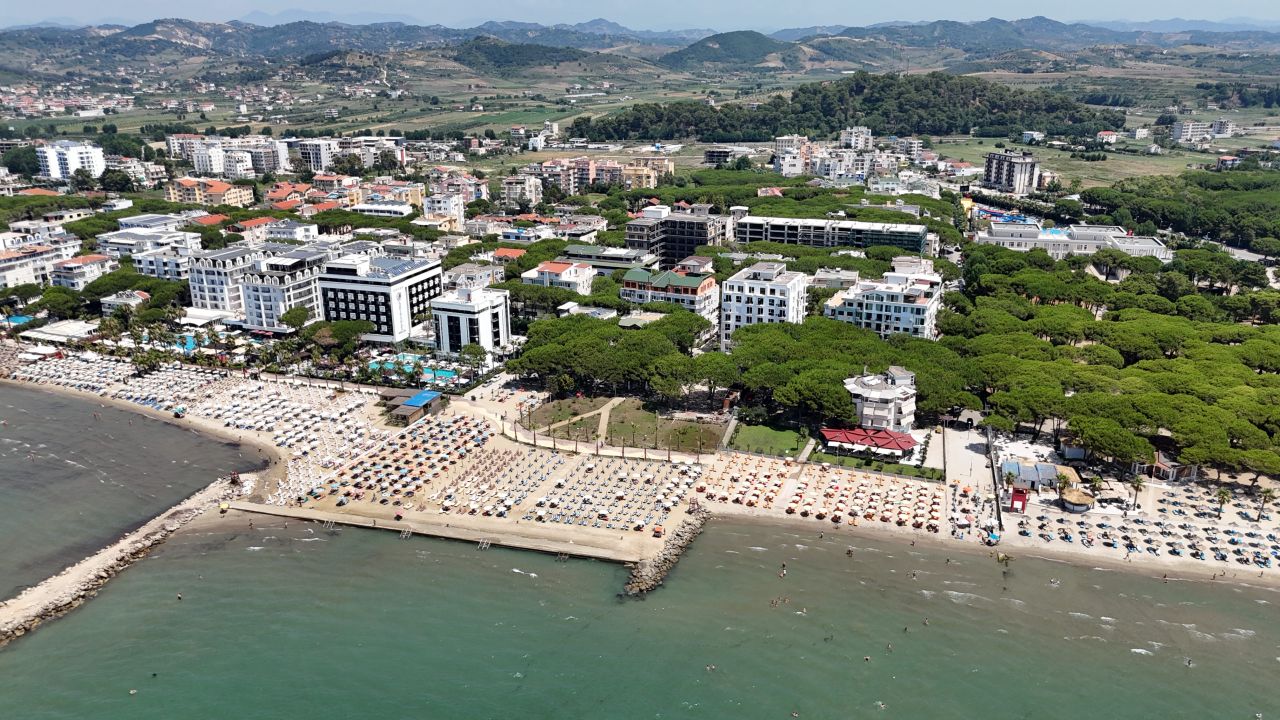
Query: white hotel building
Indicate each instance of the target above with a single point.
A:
(395, 295)
(904, 301)
(278, 284)
(1074, 240)
(764, 293)
(472, 316)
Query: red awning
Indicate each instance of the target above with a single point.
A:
(879, 439)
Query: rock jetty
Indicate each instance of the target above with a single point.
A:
(79, 583)
(649, 574)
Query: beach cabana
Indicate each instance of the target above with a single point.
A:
(874, 442)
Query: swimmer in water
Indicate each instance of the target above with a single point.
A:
(926, 622)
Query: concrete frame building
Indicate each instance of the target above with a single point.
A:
(885, 402)
(763, 293)
(392, 294)
(1012, 172)
(904, 301)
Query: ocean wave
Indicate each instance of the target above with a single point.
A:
(311, 540)
(959, 583)
(1239, 633)
(255, 548)
(928, 594)
(1087, 637)
(521, 572)
(963, 598)
(1080, 616)
(758, 549)
(1140, 651)
(1106, 619)
(733, 552)
(1015, 602)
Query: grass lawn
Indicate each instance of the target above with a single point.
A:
(584, 430)
(767, 440)
(632, 425)
(877, 466)
(561, 410)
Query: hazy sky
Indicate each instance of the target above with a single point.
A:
(649, 14)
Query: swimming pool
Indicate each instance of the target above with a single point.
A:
(18, 319)
(428, 374)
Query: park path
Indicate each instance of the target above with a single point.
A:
(602, 430)
(603, 412)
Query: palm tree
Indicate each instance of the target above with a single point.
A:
(1095, 485)
(1063, 483)
(1137, 483)
(1223, 496)
(1264, 497)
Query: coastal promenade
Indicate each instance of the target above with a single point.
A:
(542, 538)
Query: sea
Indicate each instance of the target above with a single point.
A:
(279, 621)
(75, 476)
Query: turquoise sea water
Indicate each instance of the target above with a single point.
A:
(299, 622)
(71, 482)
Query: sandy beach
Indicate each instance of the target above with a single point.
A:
(462, 475)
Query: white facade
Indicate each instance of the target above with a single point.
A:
(905, 301)
(288, 230)
(1012, 172)
(472, 316)
(449, 205)
(119, 243)
(208, 159)
(278, 284)
(217, 277)
(318, 155)
(166, 263)
(764, 293)
(60, 160)
(569, 276)
(857, 138)
(77, 272)
(1075, 240)
(238, 165)
(885, 402)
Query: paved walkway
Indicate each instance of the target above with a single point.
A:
(525, 537)
(603, 412)
(803, 457)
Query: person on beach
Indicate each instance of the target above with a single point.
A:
(926, 622)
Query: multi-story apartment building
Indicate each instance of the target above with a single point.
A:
(763, 293)
(318, 155)
(167, 263)
(606, 260)
(394, 295)
(238, 165)
(695, 293)
(119, 243)
(521, 188)
(61, 159)
(569, 276)
(857, 138)
(674, 236)
(1012, 172)
(277, 284)
(79, 271)
(291, 231)
(204, 191)
(208, 159)
(906, 300)
(831, 233)
(27, 265)
(885, 402)
(472, 316)
(470, 188)
(217, 277)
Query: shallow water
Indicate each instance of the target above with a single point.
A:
(300, 622)
(70, 483)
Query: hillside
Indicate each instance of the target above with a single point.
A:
(489, 54)
(741, 48)
(934, 104)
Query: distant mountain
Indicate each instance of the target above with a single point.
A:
(794, 34)
(1177, 25)
(284, 17)
(741, 48)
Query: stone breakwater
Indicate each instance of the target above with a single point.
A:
(649, 574)
(79, 583)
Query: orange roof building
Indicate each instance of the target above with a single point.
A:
(205, 191)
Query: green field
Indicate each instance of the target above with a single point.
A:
(766, 440)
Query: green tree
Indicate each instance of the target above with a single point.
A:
(22, 161)
(296, 317)
(116, 181)
(473, 356)
(82, 180)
